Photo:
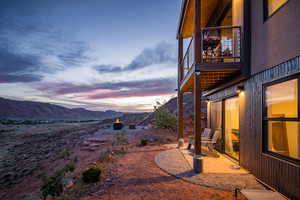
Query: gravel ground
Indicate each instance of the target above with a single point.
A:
(138, 178)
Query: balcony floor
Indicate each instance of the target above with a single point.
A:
(209, 79)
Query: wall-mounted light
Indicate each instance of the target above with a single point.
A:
(240, 89)
(207, 100)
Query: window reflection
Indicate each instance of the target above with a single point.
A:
(281, 99)
(273, 5)
(283, 138)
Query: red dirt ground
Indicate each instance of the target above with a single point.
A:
(138, 178)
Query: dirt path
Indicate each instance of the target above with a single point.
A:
(138, 178)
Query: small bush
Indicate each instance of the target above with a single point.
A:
(70, 167)
(91, 175)
(144, 142)
(53, 185)
(65, 153)
(120, 138)
(165, 119)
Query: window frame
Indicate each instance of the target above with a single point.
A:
(266, 9)
(266, 119)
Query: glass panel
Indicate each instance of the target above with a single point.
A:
(216, 120)
(232, 136)
(284, 138)
(282, 100)
(273, 5)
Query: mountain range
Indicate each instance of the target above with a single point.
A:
(28, 110)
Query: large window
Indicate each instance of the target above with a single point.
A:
(271, 6)
(281, 120)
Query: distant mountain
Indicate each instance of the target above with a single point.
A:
(28, 110)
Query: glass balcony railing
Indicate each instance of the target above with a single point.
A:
(189, 58)
(219, 45)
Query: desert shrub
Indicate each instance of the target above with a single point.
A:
(165, 119)
(144, 142)
(65, 153)
(120, 138)
(52, 185)
(91, 175)
(70, 167)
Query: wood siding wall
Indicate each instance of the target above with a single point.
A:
(279, 174)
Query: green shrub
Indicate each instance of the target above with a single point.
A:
(91, 175)
(144, 142)
(53, 185)
(70, 167)
(165, 119)
(65, 153)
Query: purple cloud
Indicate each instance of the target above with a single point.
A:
(133, 88)
(162, 53)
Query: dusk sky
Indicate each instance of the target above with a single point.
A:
(97, 54)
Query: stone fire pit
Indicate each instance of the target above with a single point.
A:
(117, 125)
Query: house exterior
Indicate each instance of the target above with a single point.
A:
(243, 58)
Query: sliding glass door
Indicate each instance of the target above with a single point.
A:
(216, 121)
(231, 127)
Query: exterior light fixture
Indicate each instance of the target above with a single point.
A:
(207, 100)
(240, 89)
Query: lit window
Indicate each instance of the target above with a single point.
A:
(281, 120)
(273, 5)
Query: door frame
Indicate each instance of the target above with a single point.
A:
(222, 100)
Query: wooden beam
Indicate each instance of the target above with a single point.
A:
(180, 115)
(180, 94)
(197, 33)
(226, 66)
(219, 13)
(197, 112)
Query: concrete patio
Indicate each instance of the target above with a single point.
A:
(218, 171)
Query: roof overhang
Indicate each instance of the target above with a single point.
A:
(186, 24)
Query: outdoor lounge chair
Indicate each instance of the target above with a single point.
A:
(206, 135)
(211, 142)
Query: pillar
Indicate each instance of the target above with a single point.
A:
(180, 94)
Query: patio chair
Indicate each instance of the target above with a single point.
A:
(211, 143)
(206, 135)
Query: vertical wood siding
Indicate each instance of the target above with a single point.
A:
(279, 174)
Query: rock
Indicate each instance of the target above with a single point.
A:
(85, 143)
(68, 182)
(94, 145)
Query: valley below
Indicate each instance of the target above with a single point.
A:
(29, 153)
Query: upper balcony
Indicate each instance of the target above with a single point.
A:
(215, 30)
(220, 49)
